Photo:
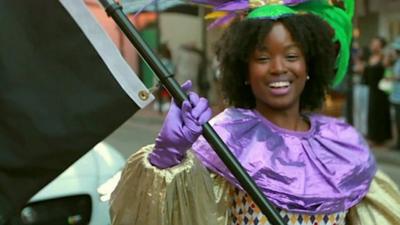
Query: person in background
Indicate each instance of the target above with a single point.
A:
(395, 95)
(360, 106)
(379, 125)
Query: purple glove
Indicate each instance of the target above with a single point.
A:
(180, 130)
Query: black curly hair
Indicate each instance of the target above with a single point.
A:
(312, 34)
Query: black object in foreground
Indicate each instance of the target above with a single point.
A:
(59, 96)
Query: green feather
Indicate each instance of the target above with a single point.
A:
(340, 21)
(270, 12)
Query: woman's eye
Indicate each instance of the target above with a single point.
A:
(263, 58)
(292, 57)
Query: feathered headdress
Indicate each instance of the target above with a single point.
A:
(337, 13)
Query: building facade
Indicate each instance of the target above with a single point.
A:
(377, 18)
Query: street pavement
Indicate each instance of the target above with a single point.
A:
(143, 127)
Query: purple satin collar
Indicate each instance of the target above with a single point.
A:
(324, 170)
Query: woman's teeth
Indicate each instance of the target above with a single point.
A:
(279, 84)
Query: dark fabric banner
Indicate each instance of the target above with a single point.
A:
(57, 98)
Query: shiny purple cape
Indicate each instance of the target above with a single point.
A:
(324, 170)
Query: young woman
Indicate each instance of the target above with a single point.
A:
(314, 169)
(379, 124)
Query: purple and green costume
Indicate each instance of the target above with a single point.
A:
(326, 169)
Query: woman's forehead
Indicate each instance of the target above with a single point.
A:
(277, 35)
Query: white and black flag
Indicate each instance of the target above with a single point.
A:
(63, 88)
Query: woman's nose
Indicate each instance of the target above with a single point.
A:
(278, 66)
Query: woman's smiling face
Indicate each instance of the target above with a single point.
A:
(277, 71)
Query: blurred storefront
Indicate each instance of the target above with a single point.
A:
(377, 17)
(175, 26)
(141, 22)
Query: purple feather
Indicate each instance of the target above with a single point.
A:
(210, 2)
(293, 2)
(233, 6)
(223, 20)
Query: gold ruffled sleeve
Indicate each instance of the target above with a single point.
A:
(186, 194)
(381, 206)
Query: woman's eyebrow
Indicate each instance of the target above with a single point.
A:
(264, 48)
(293, 45)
